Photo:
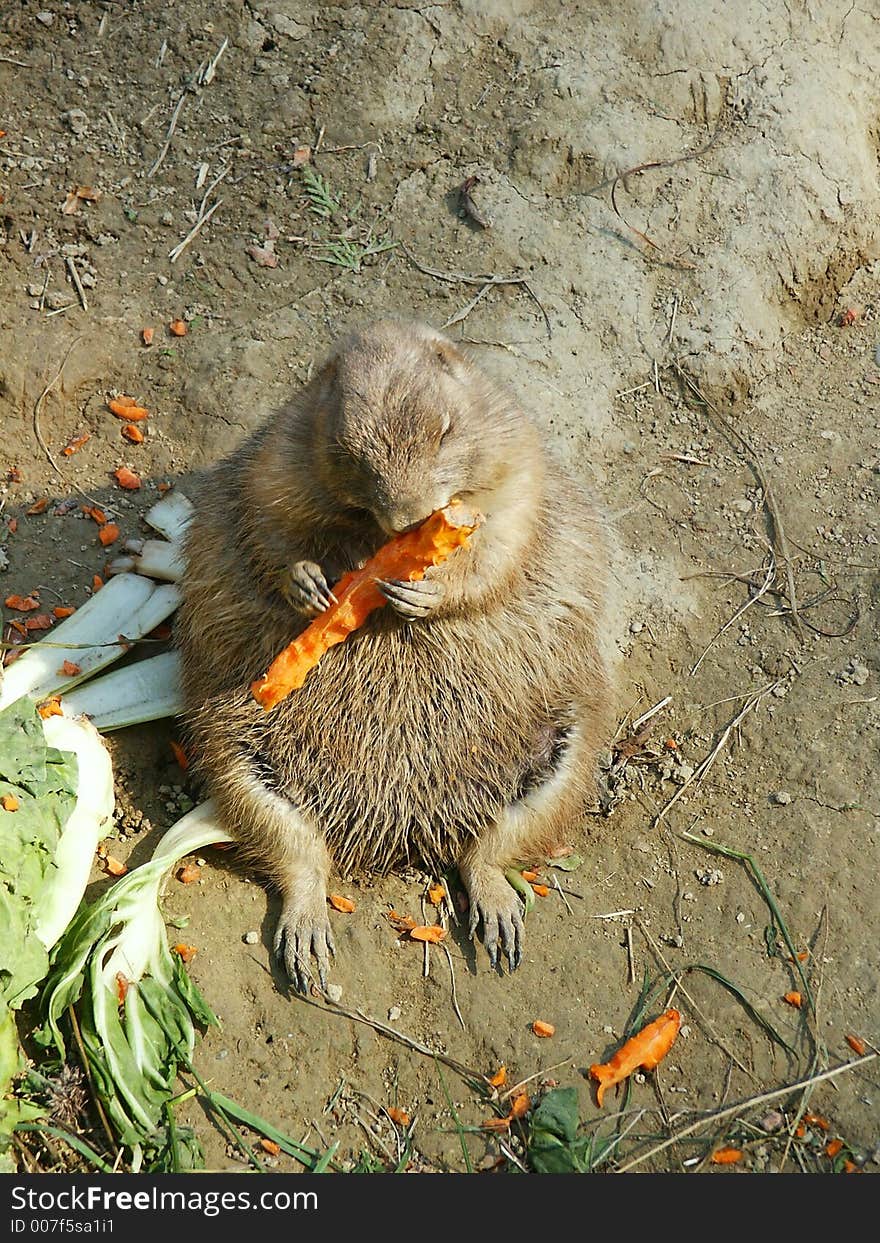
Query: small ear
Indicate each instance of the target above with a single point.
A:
(447, 356)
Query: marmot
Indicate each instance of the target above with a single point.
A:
(461, 725)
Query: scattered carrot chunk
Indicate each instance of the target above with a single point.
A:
(405, 557)
(18, 626)
(541, 890)
(22, 604)
(794, 999)
(186, 952)
(127, 479)
(61, 611)
(70, 669)
(75, 443)
(122, 986)
(432, 933)
(520, 1106)
(401, 923)
(114, 866)
(10, 802)
(189, 873)
(133, 433)
(436, 894)
(499, 1079)
(495, 1124)
(645, 1050)
(179, 754)
(339, 903)
(670, 744)
(147, 336)
(39, 506)
(529, 876)
(108, 534)
(545, 1030)
(817, 1120)
(833, 1147)
(50, 707)
(39, 621)
(857, 1045)
(12, 526)
(97, 583)
(127, 408)
(850, 1167)
(398, 1116)
(163, 487)
(800, 1131)
(178, 328)
(269, 1146)
(96, 514)
(726, 1156)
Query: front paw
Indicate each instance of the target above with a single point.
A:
(303, 932)
(304, 586)
(413, 600)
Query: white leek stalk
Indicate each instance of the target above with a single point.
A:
(157, 558)
(145, 691)
(138, 1004)
(171, 516)
(90, 820)
(128, 605)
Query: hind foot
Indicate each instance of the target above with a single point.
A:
(497, 905)
(304, 932)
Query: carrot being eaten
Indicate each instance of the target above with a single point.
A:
(645, 1050)
(405, 558)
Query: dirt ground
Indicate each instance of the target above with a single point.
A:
(701, 339)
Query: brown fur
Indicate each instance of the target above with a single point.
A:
(467, 737)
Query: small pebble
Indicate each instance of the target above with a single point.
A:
(334, 992)
(636, 627)
(782, 798)
(394, 1014)
(743, 506)
(859, 673)
(251, 938)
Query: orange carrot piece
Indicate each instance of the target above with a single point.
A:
(520, 1106)
(189, 873)
(97, 583)
(10, 802)
(186, 952)
(12, 526)
(108, 534)
(75, 443)
(147, 336)
(495, 1124)
(133, 433)
(179, 754)
(857, 1045)
(406, 557)
(39, 506)
(22, 604)
(114, 867)
(850, 1167)
(127, 408)
(122, 986)
(817, 1120)
(269, 1146)
(542, 1029)
(61, 611)
(541, 890)
(833, 1147)
(726, 1156)
(50, 707)
(794, 999)
(401, 923)
(646, 1050)
(39, 621)
(436, 894)
(178, 328)
(70, 669)
(96, 514)
(529, 876)
(432, 933)
(339, 903)
(399, 1116)
(499, 1079)
(127, 479)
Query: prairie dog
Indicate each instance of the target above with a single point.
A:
(461, 723)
